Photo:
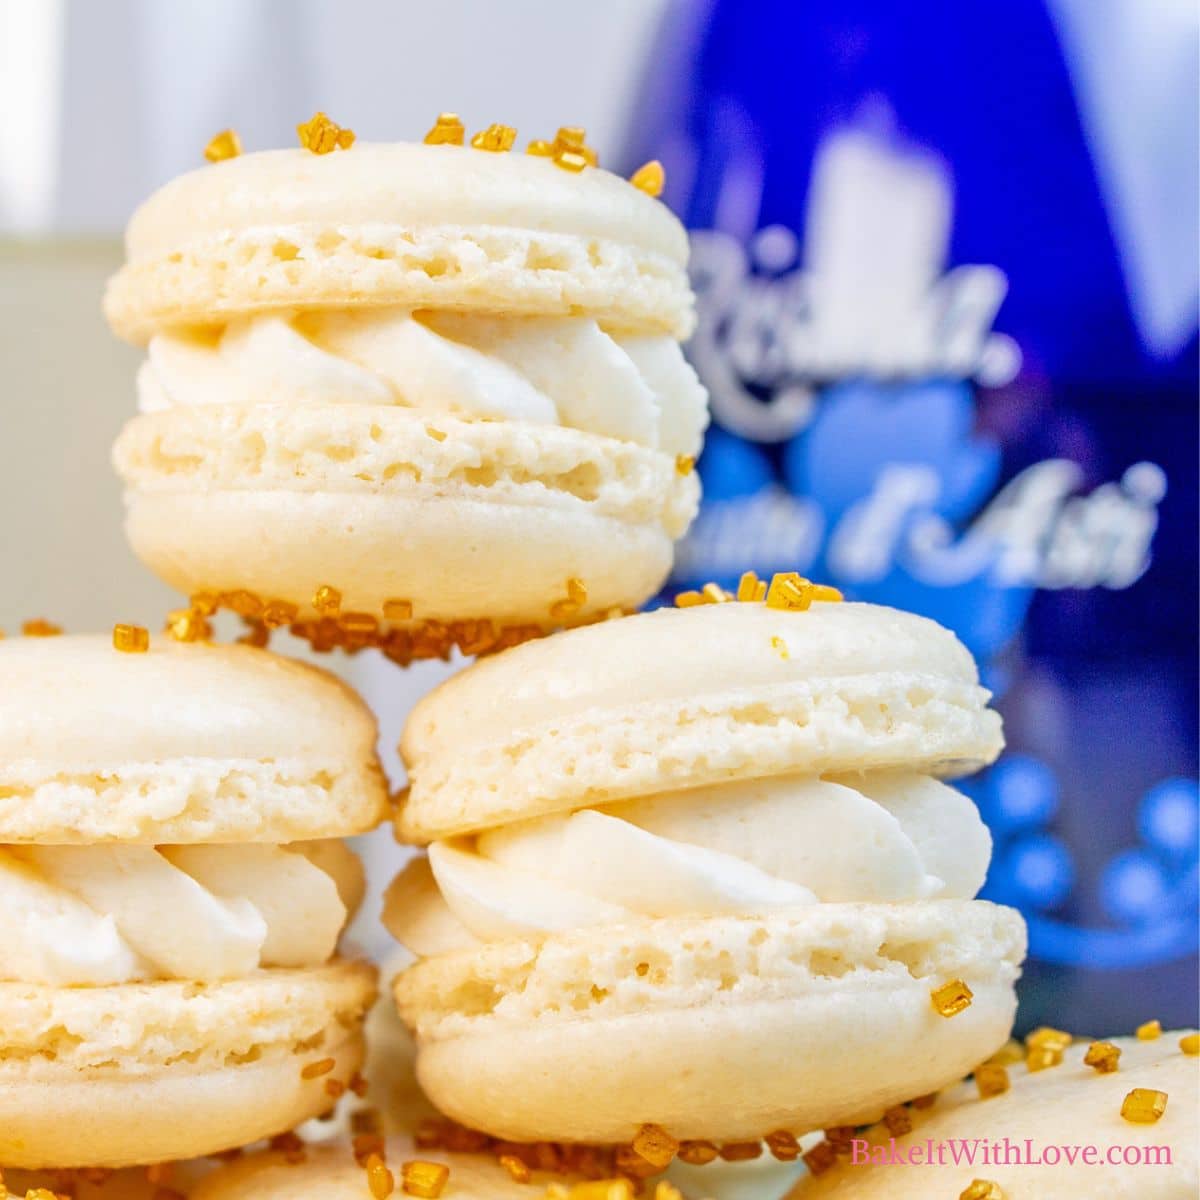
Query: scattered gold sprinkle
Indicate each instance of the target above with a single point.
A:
(278, 613)
(335, 1088)
(1046, 1037)
(205, 603)
(420, 1178)
(383, 1183)
(447, 130)
(1103, 1056)
(187, 625)
(898, 1120)
(649, 178)
(741, 1151)
(131, 639)
(991, 1079)
(242, 602)
(794, 593)
(820, 1158)
(496, 138)
(540, 148)
(926, 1101)
(321, 135)
(432, 431)
(1149, 1031)
(1144, 1106)
(666, 1191)
(327, 600)
(840, 1137)
(225, 144)
(951, 998)
(600, 1189)
(40, 628)
(367, 1143)
(981, 1189)
(314, 1070)
(397, 610)
(572, 139)
(685, 464)
(290, 1145)
(1041, 1058)
(751, 588)
(518, 1171)
(696, 1153)
(655, 1145)
(1190, 1043)
(780, 648)
(256, 635)
(783, 1145)
(576, 598)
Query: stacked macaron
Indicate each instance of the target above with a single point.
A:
(172, 892)
(697, 869)
(413, 396)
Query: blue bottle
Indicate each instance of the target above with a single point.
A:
(946, 258)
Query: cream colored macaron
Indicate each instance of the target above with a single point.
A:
(1079, 1134)
(334, 1172)
(444, 382)
(173, 891)
(705, 857)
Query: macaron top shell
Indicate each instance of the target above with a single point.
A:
(491, 231)
(81, 721)
(681, 697)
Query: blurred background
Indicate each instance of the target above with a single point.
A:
(948, 264)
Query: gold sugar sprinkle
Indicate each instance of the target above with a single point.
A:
(420, 1178)
(741, 1151)
(256, 635)
(1046, 1037)
(923, 1102)
(39, 628)
(780, 648)
(820, 1158)
(751, 588)
(432, 431)
(242, 602)
(898, 1120)
(187, 625)
(496, 138)
(649, 178)
(696, 1153)
(666, 1191)
(1190, 1043)
(1144, 1106)
(327, 600)
(1011, 1052)
(572, 140)
(991, 1079)
(839, 1137)
(981, 1189)
(380, 1181)
(685, 464)
(397, 610)
(783, 1145)
(321, 135)
(223, 145)
(1149, 1031)
(448, 130)
(576, 598)
(205, 603)
(793, 593)
(1103, 1056)
(1041, 1058)
(655, 1145)
(952, 998)
(540, 148)
(335, 1088)
(518, 1171)
(131, 639)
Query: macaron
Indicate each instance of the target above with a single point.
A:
(173, 890)
(339, 1171)
(699, 869)
(439, 383)
(1069, 1131)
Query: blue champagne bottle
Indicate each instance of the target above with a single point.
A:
(946, 259)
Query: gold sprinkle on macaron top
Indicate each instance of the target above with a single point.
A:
(448, 130)
(498, 139)
(1144, 1106)
(130, 639)
(421, 1178)
(649, 178)
(1148, 1031)
(1103, 1056)
(1190, 1043)
(991, 1079)
(322, 136)
(223, 145)
(40, 628)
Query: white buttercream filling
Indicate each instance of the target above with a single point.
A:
(546, 370)
(77, 915)
(743, 848)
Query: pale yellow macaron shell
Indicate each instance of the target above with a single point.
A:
(141, 1073)
(679, 698)
(400, 224)
(181, 743)
(718, 1028)
(1070, 1105)
(330, 1172)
